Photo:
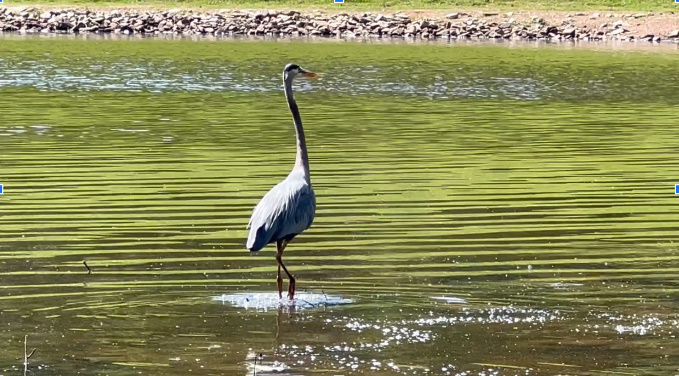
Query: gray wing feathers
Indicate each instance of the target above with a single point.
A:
(287, 209)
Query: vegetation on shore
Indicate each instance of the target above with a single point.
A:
(393, 5)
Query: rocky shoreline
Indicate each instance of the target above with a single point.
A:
(455, 25)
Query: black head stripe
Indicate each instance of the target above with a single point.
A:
(291, 67)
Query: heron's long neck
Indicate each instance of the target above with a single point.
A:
(302, 160)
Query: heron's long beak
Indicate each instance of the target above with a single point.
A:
(310, 75)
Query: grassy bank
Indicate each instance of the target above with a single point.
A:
(355, 5)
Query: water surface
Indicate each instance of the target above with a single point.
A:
(488, 210)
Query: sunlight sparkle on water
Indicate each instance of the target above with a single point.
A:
(270, 300)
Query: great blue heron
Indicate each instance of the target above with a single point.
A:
(288, 208)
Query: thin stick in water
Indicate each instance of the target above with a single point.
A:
(89, 271)
(261, 357)
(26, 354)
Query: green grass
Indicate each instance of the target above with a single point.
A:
(566, 5)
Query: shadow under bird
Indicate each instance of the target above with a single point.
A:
(288, 208)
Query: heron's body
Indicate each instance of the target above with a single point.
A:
(288, 208)
(283, 213)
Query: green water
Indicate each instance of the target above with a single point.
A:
(534, 186)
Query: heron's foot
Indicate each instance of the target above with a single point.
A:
(279, 282)
(291, 289)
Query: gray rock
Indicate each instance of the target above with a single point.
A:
(568, 31)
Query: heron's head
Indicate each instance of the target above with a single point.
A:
(293, 70)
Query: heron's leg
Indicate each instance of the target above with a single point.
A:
(279, 258)
(291, 288)
(279, 280)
